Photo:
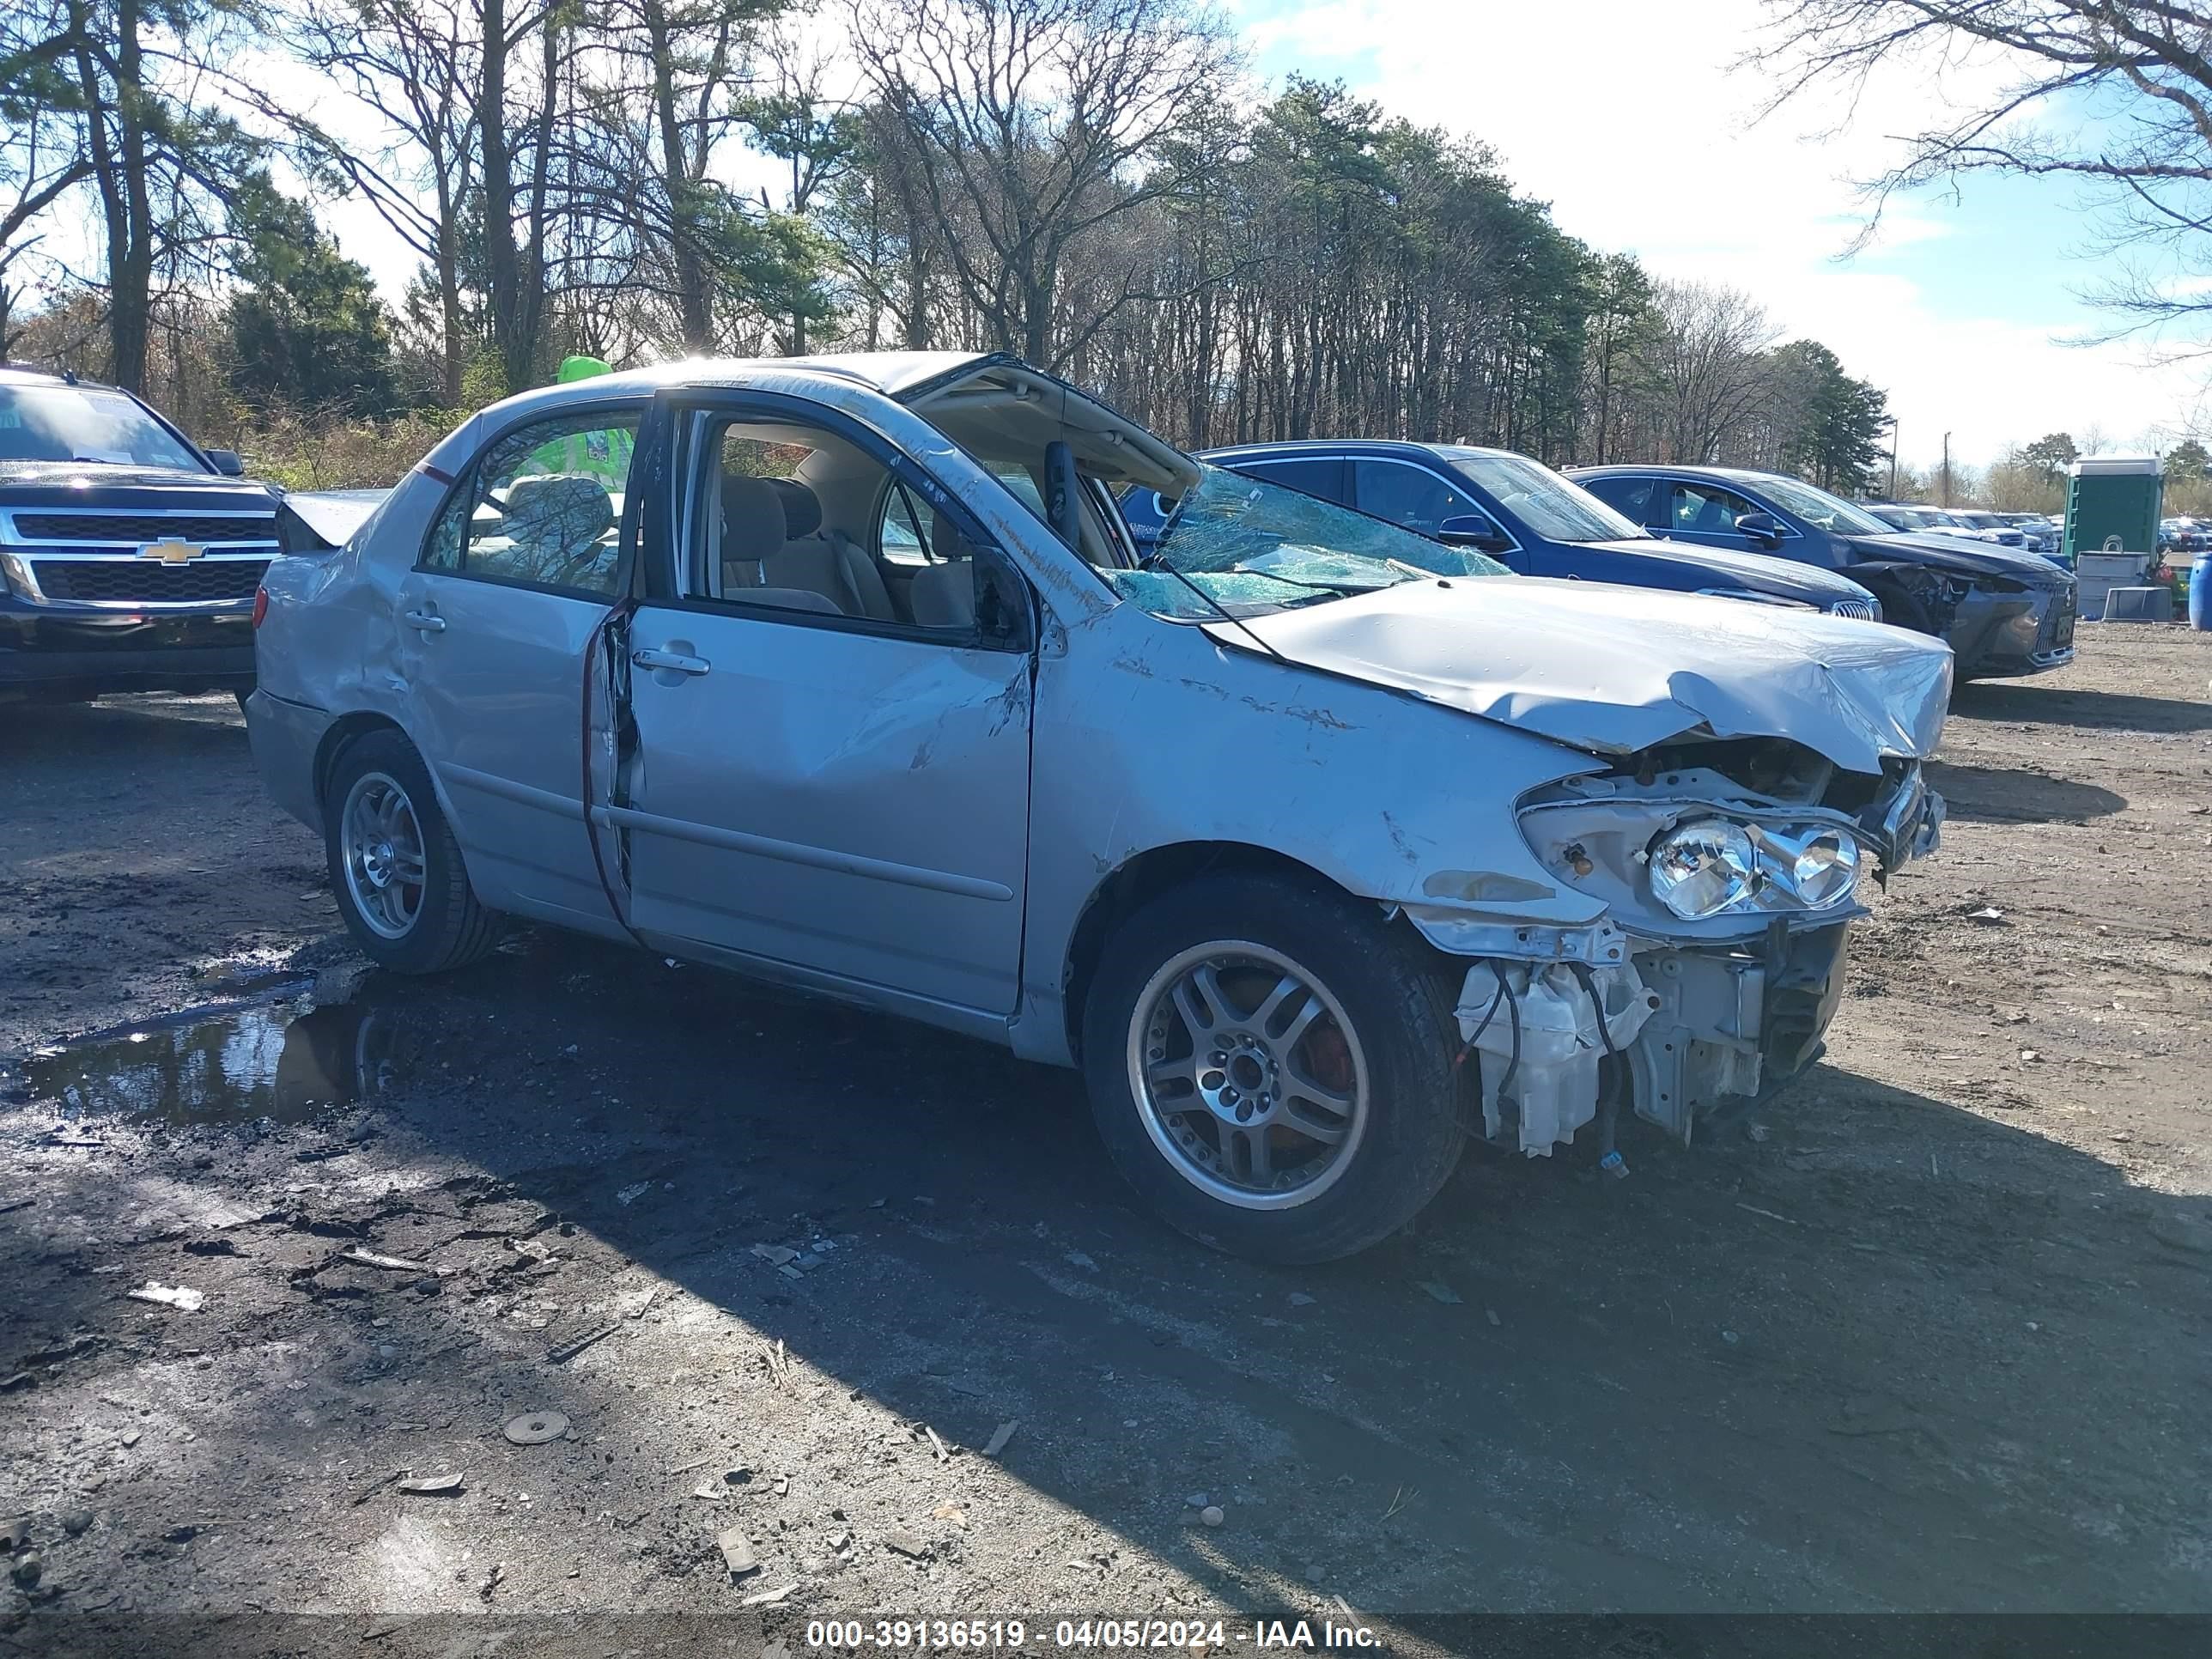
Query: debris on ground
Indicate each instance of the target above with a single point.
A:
(75, 1522)
(1491, 1314)
(944, 1453)
(28, 1569)
(397, 1264)
(178, 1297)
(775, 1255)
(767, 1598)
(1440, 1292)
(999, 1435)
(1989, 915)
(432, 1485)
(629, 1195)
(906, 1544)
(951, 1512)
(1300, 1299)
(736, 1551)
(1212, 1515)
(362, 1495)
(1078, 1259)
(14, 1534)
(493, 1580)
(535, 1428)
(1197, 1500)
(570, 1349)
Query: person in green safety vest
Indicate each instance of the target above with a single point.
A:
(599, 452)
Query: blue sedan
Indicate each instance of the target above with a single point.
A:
(1517, 511)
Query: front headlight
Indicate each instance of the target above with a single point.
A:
(1713, 867)
(1703, 869)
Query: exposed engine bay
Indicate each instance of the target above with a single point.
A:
(1729, 870)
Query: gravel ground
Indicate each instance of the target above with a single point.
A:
(1929, 1332)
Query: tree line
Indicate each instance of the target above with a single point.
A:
(1094, 184)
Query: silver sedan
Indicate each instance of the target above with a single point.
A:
(1317, 846)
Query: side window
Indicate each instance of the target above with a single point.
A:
(1707, 509)
(903, 534)
(544, 506)
(1627, 496)
(797, 519)
(1324, 476)
(1410, 495)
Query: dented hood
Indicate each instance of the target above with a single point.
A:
(1614, 669)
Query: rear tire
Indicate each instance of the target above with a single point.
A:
(1301, 1109)
(394, 865)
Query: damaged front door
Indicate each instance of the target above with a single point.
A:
(830, 770)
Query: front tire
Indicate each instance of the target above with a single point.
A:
(1270, 1066)
(394, 865)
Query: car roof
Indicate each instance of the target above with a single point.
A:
(32, 374)
(1401, 446)
(1672, 469)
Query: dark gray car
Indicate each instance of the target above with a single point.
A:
(2004, 610)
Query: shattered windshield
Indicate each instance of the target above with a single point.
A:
(1250, 547)
(1551, 507)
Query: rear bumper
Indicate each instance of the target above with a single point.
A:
(43, 653)
(286, 738)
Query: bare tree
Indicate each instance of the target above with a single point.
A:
(2145, 66)
(1709, 358)
(1029, 121)
(416, 63)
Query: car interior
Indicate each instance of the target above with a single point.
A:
(809, 521)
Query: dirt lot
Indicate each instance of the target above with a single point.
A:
(1928, 1333)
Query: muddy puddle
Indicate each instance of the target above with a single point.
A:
(283, 1061)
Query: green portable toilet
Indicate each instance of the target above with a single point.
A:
(2114, 496)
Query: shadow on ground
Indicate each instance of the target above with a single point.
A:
(1992, 794)
(2033, 700)
(1872, 1358)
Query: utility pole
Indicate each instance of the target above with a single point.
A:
(1894, 427)
(1946, 502)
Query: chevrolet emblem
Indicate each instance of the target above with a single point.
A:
(171, 552)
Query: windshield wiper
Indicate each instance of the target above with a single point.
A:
(1155, 561)
(1346, 586)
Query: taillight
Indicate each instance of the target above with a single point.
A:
(260, 606)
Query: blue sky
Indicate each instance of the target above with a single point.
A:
(1635, 125)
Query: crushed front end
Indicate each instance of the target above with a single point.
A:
(1731, 872)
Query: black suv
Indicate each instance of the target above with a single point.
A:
(129, 556)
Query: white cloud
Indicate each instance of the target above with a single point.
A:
(1639, 128)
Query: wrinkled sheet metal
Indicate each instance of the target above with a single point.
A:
(1614, 669)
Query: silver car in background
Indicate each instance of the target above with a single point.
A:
(1315, 845)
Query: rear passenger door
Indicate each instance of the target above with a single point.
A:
(844, 795)
(1630, 497)
(1322, 476)
(521, 565)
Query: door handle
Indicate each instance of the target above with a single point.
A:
(676, 662)
(429, 622)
